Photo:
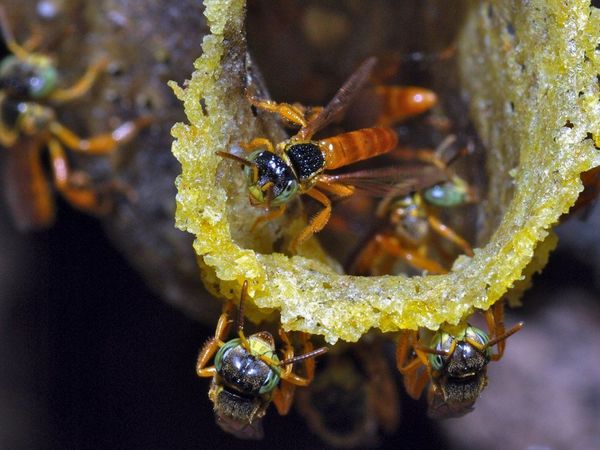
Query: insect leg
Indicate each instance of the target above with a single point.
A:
(81, 86)
(291, 113)
(258, 143)
(271, 215)
(211, 347)
(449, 234)
(9, 39)
(318, 222)
(283, 396)
(391, 245)
(76, 188)
(406, 340)
(103, 143)
(494, 318)
(414, 373)
(341, 190)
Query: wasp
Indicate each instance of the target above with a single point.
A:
(247, 374)
(409, 224)
(29, 93)
(454, 362)
(278, 173)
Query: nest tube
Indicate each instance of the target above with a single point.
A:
(536, 110)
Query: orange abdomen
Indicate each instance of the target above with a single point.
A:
(348, 148)
(26, 188)
(399, 103)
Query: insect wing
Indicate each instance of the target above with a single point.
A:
(341, 100)
(440, 409)
(241, 429)
(396, 180)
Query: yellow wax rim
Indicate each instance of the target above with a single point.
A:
(534, 97)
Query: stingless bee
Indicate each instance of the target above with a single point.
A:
(247, 374)
(277, 173)
(409, 223)
(454, 361)
(28, 124)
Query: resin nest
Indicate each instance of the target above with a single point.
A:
(536, 108)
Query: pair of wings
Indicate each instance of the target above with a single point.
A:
(395, 180)
(399, 179)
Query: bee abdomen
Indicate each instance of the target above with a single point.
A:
(354, 146)
(401, 102)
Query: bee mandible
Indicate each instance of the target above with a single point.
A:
(247, 374)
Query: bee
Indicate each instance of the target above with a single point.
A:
(247, 374)
(353, 396)
(278, 173)
(409, 223)
(454, 362)
(29, 93)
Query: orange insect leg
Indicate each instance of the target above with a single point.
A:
(391, 245)
(318, 222)
(81, 86)
(271, 215)
(211, 347)
(102, 143)
(258, 143)
(291, 113)
(448, 233)
(75, 188)
(283, 396)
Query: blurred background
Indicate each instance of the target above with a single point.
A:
(92, 355)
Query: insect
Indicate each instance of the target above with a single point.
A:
(353, 396)
(409, 223)
(278, 173)
(454, 360)
(29, 93)
(247, 374)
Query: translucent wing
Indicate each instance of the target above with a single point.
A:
(396, 180)
(341, 99)
(438, 408)
(240, 429)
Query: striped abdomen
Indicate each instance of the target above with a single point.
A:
(399, 103)
(348, 148)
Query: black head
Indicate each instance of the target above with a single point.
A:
(458, 371)
(271, 180)
(32, 78)
(244, 371)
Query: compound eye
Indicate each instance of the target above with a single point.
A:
(477, 335)
(223, 352)
(446, 195)
(441, 342)
(270, 382)
(436, 361)
(287, 193)
(42, 77)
